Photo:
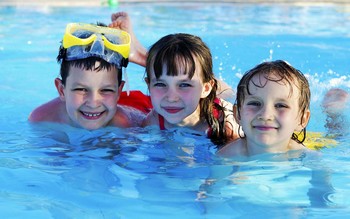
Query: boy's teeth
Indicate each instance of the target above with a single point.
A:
(92, 114)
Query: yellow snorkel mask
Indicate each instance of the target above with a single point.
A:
(86, 40)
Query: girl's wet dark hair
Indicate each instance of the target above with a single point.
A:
(179, 52)
(283, 73)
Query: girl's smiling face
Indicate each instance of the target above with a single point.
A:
(270, 114)
(177, 98)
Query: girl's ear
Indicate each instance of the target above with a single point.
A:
(208, 86)
(147, 81)
(60, 88)
(120, 89)
(304, 120)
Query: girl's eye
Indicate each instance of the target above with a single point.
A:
(185, 85)
(159, 84)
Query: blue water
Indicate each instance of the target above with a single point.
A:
(56, 171)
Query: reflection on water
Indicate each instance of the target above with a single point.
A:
(116, 172)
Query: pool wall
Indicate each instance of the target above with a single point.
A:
(94, 3)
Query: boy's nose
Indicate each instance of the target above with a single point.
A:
(93, 100)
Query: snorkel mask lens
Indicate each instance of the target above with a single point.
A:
(86, 40)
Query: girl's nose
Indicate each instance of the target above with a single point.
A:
(172, 95)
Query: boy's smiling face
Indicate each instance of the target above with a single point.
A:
(91, 96)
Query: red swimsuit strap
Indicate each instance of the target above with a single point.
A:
(216, 114)
(161, 122)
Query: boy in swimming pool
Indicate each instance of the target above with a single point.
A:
(273, 102)
(92, 58)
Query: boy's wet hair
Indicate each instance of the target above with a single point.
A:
(88, 63)
(283, 73)
(179, 52)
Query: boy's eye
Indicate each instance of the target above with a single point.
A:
(80, 89)
(108, 91)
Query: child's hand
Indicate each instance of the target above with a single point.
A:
(335, 101)
(121, 20)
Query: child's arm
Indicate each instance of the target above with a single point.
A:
(138, 53)
(52, 111)
(225, 91)
(334, 104)
(231, 125)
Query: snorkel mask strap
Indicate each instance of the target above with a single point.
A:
(124, 63)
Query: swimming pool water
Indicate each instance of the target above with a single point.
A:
(56, 171)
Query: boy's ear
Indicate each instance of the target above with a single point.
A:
(120, 88)
(208, 86)
(60, 88)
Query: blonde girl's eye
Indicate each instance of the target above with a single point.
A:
(281, 105)
(253, 103)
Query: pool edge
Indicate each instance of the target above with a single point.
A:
(94, 3)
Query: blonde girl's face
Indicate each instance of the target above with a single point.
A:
(270, 115)
(176, 98)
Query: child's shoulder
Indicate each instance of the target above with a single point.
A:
(151, 119)
(51, 111)
(128, 117)
(235, 148)
(224, 103)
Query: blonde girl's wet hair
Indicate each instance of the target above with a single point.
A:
(283, 73)
(179, 52)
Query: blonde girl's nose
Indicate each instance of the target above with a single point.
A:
(266, 113)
